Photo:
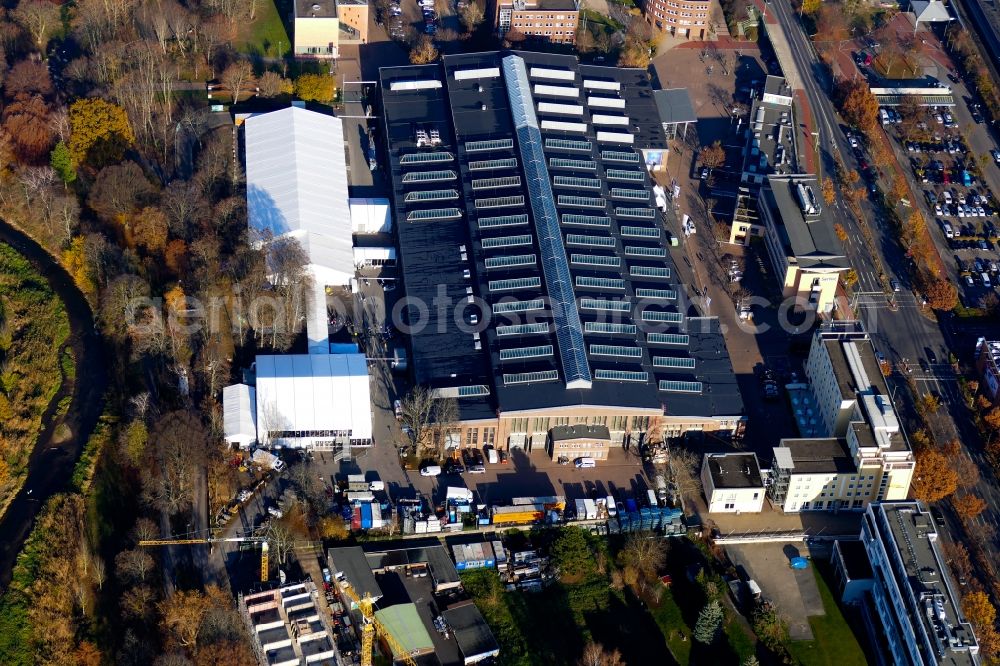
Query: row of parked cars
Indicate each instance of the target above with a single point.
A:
(472, 461)
(952, 203)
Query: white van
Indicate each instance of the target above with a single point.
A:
(948, 232)
(612, 509)
(884, 116)
(582, 463)
(986, 280)
(430, 470)
(491, 456)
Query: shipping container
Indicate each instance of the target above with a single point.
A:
(377, 516)
(550, 501)
(356, 482)
(356, 518)
(366, 516)
(591, 508)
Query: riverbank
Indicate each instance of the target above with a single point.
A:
(65, 425)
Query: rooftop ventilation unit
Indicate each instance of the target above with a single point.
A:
(807, 199)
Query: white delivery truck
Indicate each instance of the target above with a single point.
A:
(267, 460)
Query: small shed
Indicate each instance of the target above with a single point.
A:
(370, 216)
(239, 415)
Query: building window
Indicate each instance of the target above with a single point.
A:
(472, 437)
(756, 495)
(489, 436)
(805, 506)
(730, 505)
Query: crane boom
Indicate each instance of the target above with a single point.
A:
(372, 626)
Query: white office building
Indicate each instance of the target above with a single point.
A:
(910, 606)
(732, 483)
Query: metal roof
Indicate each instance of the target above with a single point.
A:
(295, 392)
(297, 183)
(239, 415)
(674, 105)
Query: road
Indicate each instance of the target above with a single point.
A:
(904, 334)
(50, 466)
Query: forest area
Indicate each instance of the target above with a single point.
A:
(111, 161)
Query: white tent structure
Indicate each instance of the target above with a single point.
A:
(370, 216)
(929, 11)
(313, 401)
(297, 185)
(239, 415)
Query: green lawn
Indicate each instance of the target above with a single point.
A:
(834, 643)
(670, 619)
(266, 34)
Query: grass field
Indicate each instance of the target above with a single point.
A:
(835, 643)
(266, 35)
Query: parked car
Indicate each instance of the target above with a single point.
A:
(430, 470)
(397, 407)
(894, 285)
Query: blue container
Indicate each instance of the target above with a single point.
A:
(366, 516)
(631, 506)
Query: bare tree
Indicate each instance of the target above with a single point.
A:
(134, 565)
(40, 18)
(685, 466)
(238, 79)
(594, 654)
(417, 413)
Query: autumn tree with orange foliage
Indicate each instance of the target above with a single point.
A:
(982, 614)
(934, 478)
(968, 506)
(941, 294)
(857, 104)
(829, 192)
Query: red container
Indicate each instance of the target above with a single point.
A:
(356, 518)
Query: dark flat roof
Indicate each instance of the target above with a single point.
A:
(855, 559)
(734, 470)
(810, 239)
(351, 561)
(429, 552)
(674, 105)
(471, 631)
(828, 455)
(850, 385)
(472, 104)
(568, 432)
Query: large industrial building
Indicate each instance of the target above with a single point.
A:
(907, 596)
(860, 454)
(540, 288)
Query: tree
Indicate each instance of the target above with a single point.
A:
(709, 621)
(810, 7)
(99, 132)
(829, 192)
(179, 449)
(644, 552)
(238, 79)
(934, 478)
(149, 229)
(982, 614)
(418, 413)
(634, 53)
(941, 294)
(272, 84)
(134, 565)
(40, 18)
(118, 191)
(769, 627)
(423, 52)
(472, 15)
(594, 654)
(929, 403)
(713, 156)
(585, 41)
(968, 506)
(183, 613)
(316, 88)
(62, 162)
(992, 418)
(910, 107)
(133, 442)
(572, 555)
(856, 102)
(26, 121)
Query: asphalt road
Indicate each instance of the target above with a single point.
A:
(903, 334)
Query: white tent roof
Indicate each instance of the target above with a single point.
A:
(297, 182)
(370, 215)
(319, 392)
(929, 11)
(239, 415)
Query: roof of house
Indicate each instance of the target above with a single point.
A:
(807, 237)
(314, 392)
(674, 105)
(296, 174)
(473, 634)
(734, 470)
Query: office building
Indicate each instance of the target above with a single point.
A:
(680, 18)
(801, 242)
(861, 455)
(321, 27)
(553, 21)
(988, 365)
(770, 149)
(732, 483)
(542, 292)
(910, 608)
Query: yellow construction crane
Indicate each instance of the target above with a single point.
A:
(371, 626)
(191, 542)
